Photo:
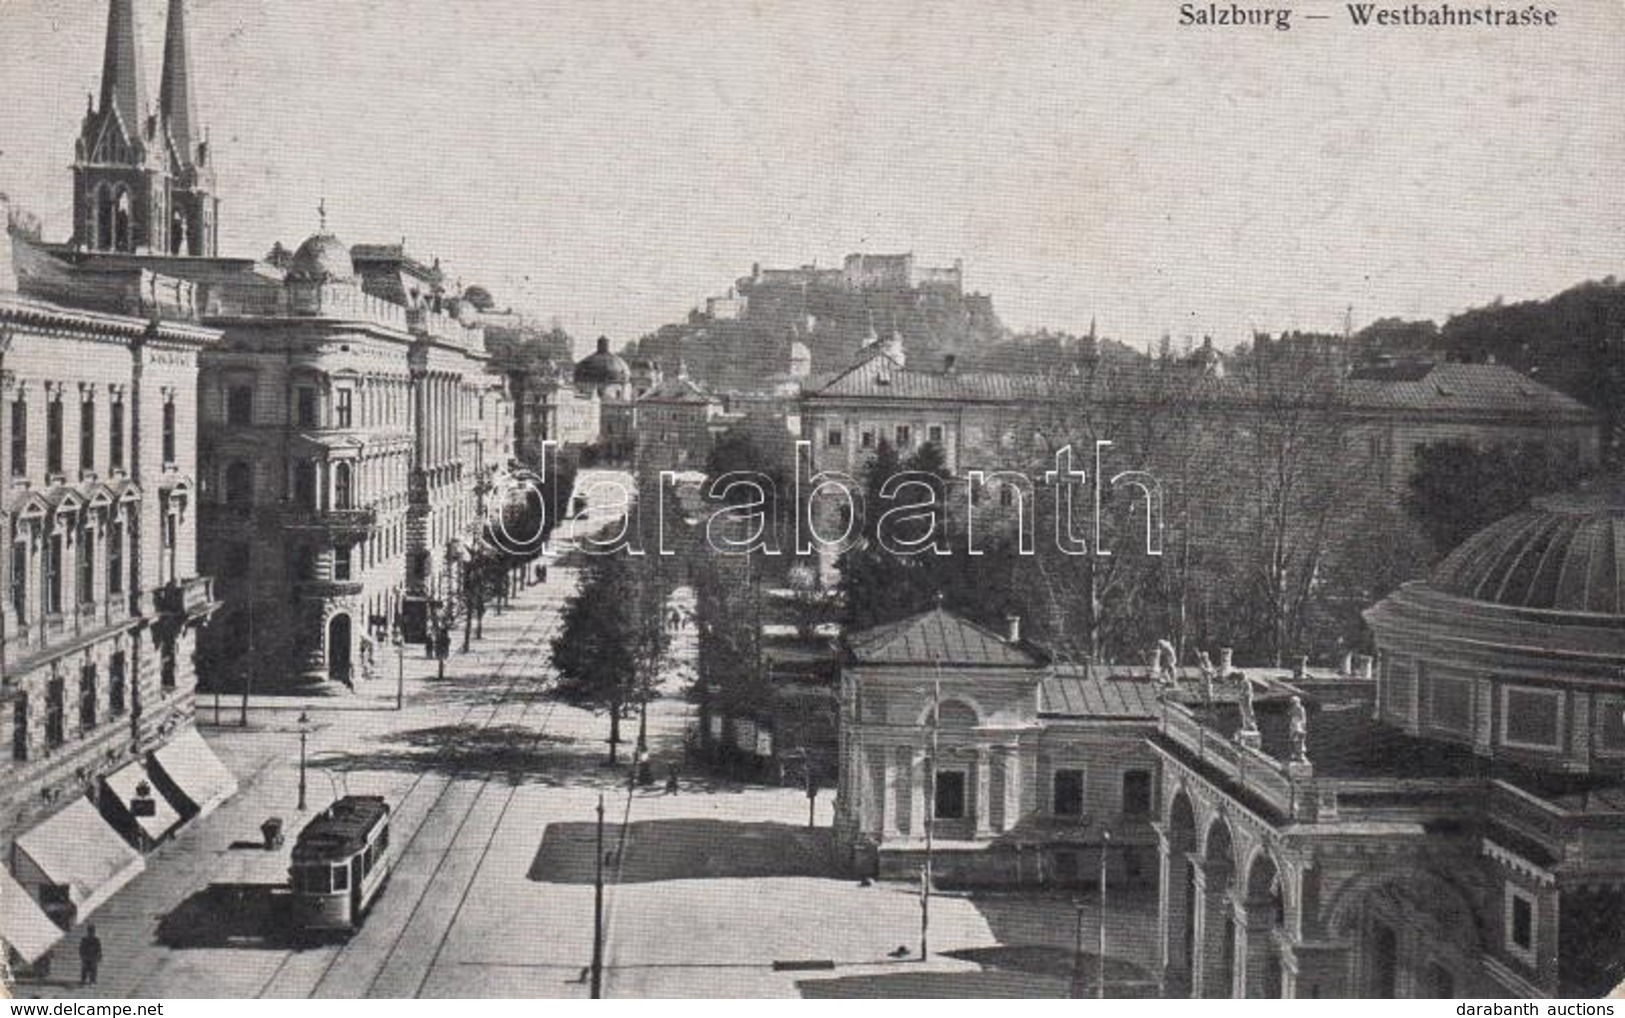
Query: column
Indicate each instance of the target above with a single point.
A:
(1257, 971)
(1198, 906)
(984, 792)
(1012, 787)
(1216, 933)
(919, 779)
(888, 798)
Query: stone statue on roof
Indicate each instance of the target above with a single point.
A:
(1298, 730)
(1205, 663)
(1249, 718)
(1167, 663)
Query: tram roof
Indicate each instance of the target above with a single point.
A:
(341, 829)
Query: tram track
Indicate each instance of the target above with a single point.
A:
(524, 648)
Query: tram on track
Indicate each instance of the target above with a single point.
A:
(340, 864)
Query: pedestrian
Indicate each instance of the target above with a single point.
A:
(671, 779)
(90, 956)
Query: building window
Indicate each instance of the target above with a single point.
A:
(115, 435)
(87, 435)
(166, 666)
(1136, 793)
(1007, 495)
(304, 484)
(933, 434)
(240, 405)
(87, 697)
(19, 438)
(341, 563)
(867, 439)
(239, 484)
(905, 435)
(87, 567)
(342, 406)
(53, 437)
(835, 438)
(55, 695)
(1610, 711)
(949, 800)
(53, 575)
(305, 407)
(1520, 923)
(1067, 789)
(115, 684)
(169, 433)
(19, 580)
(115, 558)
(169, 547)
(1531, 718)
(19, 727)
(343, 486)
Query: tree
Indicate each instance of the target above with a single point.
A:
(607, 653)
(1458, 488)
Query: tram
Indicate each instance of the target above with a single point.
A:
(340, 864)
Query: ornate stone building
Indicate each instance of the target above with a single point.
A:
(350, 430)
(1452, 827)
(1017, 766)
(103, 597)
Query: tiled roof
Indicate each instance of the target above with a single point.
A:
(1080, 694)
(938, 637)
(677, 390)
(1440, 388)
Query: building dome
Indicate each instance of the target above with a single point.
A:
(1562, 554)
(602, 368)
(321, 259)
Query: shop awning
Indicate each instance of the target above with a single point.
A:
(188, 772)
(149, 811)
(22, 925)
(76, 850)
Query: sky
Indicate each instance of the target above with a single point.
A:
(613, 163)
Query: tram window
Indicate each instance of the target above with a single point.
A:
(311, 880)
(341, 877)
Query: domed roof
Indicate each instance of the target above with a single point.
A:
(1564, 553)
(602, 367)
(322, 258)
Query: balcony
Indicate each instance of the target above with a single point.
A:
(1287, 789)
(186, 598)
(341, 525)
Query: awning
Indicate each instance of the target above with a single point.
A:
(190, 775)
(22, 925)
(76, 850)
(149, 811)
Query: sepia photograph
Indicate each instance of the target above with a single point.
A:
(738, 499)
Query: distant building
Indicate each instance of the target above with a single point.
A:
(675, 424)
(1019, 767)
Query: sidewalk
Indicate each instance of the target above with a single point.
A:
(182, 893)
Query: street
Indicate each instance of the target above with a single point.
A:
(494, 787)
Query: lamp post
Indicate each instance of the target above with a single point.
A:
(304, 733)
(598, 909)
(930, 810)
(1077, 949)
(400, 668)
(1100, 979)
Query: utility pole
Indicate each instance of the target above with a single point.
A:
(930, 811)
(598, 911)
(304, 733)
(1100, 979)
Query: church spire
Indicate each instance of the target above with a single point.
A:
(175, 99)
(122, 85)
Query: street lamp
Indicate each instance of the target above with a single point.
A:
(399, 639)
(1100, 980)
(304, 733)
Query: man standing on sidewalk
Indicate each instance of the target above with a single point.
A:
(90, 956)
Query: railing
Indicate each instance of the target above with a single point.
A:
(184, 597)
(1252, 770)
(444, 327)
(349, 521)
(1397, 799)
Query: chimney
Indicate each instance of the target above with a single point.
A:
(1227, 660)
(949, 362)
(1012, 629)
(1346, 669)
(1366, 667)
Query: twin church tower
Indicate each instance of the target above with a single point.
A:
(142, 182)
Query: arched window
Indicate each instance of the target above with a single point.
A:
(102, 237)
(343, 487)
(121, 222)
(239, 483)
(177, 234)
